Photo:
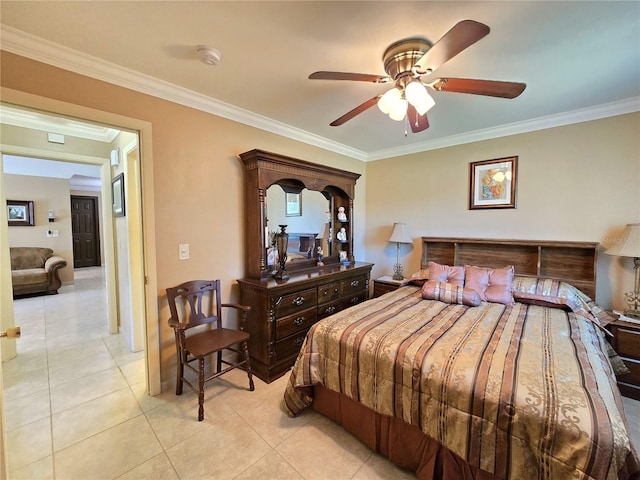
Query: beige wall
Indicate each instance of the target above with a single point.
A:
(46, 193)
(198, 179)
(579, 182)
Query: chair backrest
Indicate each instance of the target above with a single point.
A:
(196, 302)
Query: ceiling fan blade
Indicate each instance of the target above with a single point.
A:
(418, 122)
(490, 88)
(462, 35)
(356, 111)
(357, 77)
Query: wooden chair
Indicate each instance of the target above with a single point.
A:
(196, 305)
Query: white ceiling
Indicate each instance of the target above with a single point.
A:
(580, 61)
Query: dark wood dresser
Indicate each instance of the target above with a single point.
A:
(283, 311)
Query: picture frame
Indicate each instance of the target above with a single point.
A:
(20, 213)
(492, 183)
(117, 193)
(293, 204)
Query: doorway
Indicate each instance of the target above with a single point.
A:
(85, 231)
(140, 237)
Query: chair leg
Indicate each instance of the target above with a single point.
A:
(179, 375)
(245, 348)
(200, 389)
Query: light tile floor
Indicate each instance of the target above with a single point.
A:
(76, 408)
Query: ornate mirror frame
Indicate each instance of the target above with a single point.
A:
(263, 169)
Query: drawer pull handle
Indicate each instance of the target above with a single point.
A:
(354, 300)
(298, 300)
(330, 310)
(336, 290)
(298, 341)
(298, 321)
(355, 283)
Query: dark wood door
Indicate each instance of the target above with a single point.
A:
(84, 225)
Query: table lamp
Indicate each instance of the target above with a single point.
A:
(399, 235)
(629, 246)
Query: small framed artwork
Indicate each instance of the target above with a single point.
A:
(293, 204)
(493, 183)
(117, 191)
(20, 213)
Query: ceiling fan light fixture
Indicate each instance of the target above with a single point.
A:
(389, 99)
(398, 110)
(418, 96)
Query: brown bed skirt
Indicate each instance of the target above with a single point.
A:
(405, 445)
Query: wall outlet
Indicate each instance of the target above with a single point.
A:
(183, 251)
(53, 233)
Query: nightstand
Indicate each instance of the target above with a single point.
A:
(626, 342)
(385, 284)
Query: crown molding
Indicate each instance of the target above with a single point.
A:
(45, 51)
(622, 107)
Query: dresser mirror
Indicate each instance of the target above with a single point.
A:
(305, 229)
(323, 192)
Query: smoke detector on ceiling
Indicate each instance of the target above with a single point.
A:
(208, 55)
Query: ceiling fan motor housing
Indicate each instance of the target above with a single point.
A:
(400, 57)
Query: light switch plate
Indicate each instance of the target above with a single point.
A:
(183, 251)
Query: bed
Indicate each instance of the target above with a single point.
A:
(453, 383)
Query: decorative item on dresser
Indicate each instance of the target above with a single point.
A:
(628, 245)
(399, 234)
(285, 307)
(626, 342)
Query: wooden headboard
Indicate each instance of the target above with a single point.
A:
(571, 262)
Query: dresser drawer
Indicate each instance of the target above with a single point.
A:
(354, 298)
(328, 293)
(354, 285)
(290, 345)
(291, 324)
(328, 309)
(627, 341)
(295, 302)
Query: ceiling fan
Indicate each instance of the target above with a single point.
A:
(409, 64)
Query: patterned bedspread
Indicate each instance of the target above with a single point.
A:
(521, 391)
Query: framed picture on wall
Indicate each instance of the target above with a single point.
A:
(117, 192)
(293, 204)
(493, 183)
(20, 213)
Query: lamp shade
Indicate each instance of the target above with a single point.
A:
(628, 245)
(400, 234)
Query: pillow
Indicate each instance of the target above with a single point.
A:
(419, 277)
(492, 284)
(449, 293)
(446, 273)
(561, 294)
